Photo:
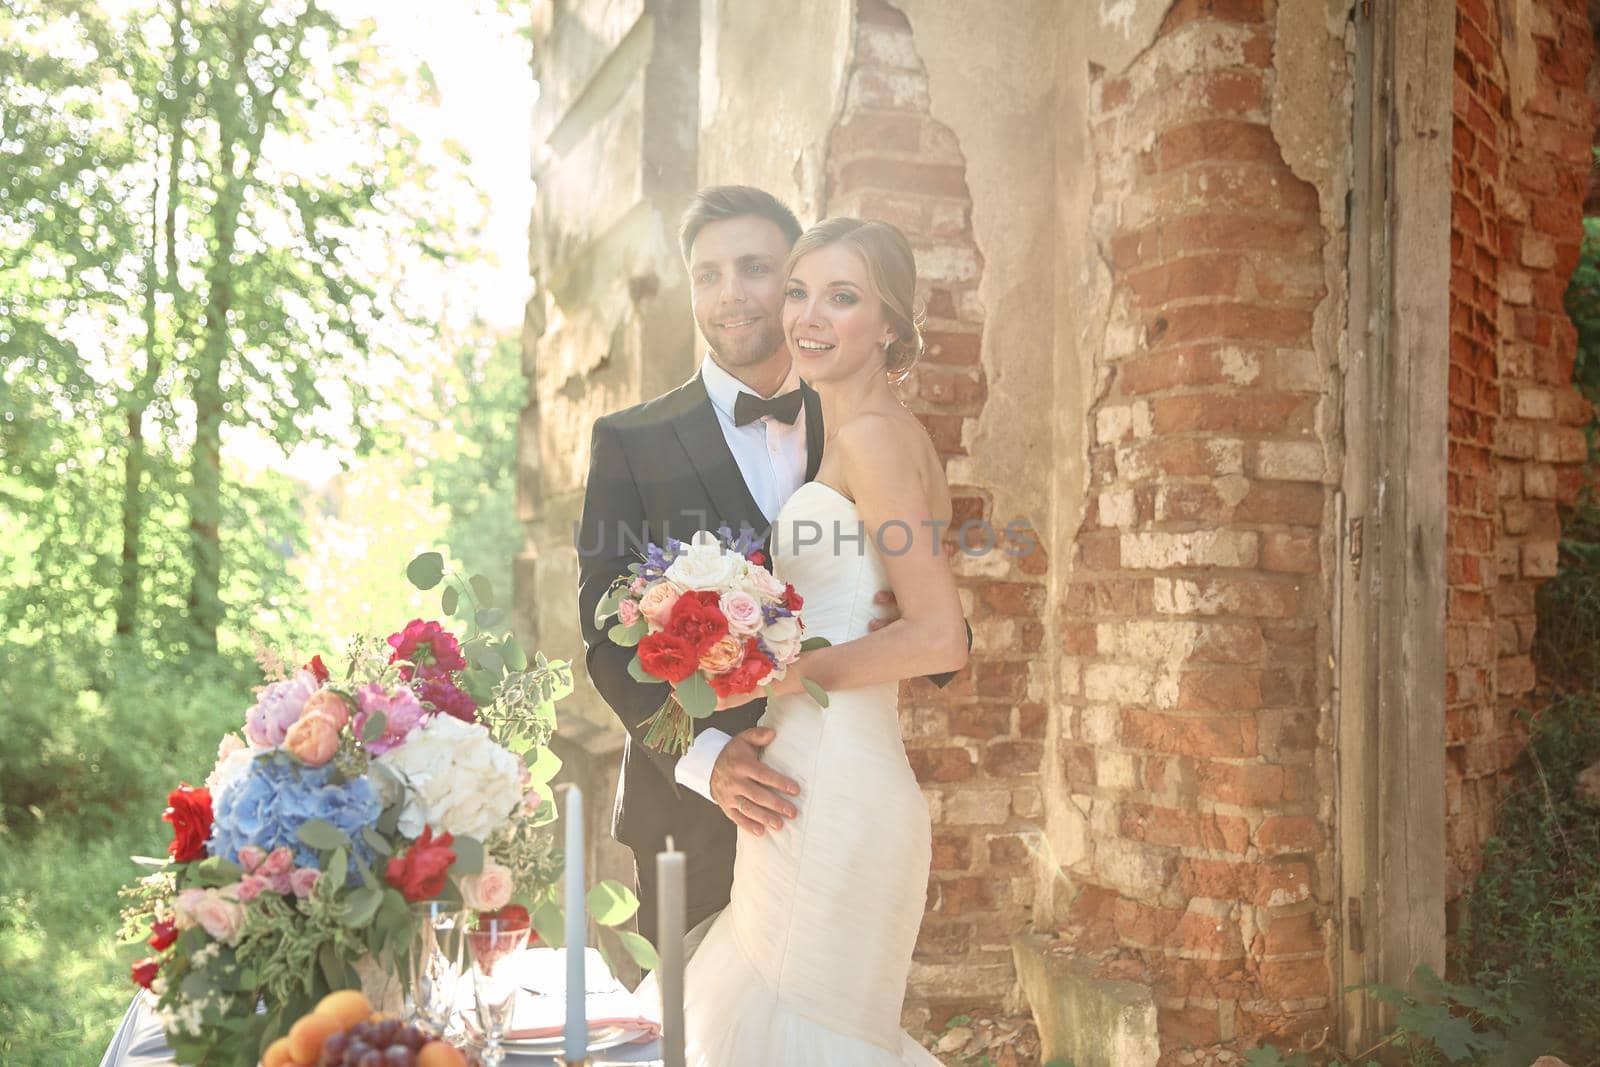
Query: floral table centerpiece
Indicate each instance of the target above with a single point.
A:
(417, 770)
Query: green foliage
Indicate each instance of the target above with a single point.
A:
(1583, 307)
(1531, 920)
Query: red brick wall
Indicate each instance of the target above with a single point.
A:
(976, 745)
(1520, 171)
(1199, 597)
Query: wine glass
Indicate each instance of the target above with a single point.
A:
(433, 977)
(494, 980)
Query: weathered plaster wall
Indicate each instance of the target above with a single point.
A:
(772, 82)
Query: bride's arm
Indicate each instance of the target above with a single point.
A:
(930, 636)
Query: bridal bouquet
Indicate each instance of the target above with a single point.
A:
(417, 771)
(711, 620)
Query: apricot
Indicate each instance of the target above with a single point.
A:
(307, 1035)
(347, 1006)
(439, 1054)
(277, 1054)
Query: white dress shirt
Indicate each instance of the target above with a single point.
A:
(772, 460)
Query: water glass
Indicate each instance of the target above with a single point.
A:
(494, 944)
(433, 976)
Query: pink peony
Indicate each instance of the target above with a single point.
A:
(489, 890)
(743, 612)
(402, 714)
(445, 696)
(278, 707)
(428, 648)
(304, 880)
(627, 614)
(314, 740)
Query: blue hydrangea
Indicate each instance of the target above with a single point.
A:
(267, 807)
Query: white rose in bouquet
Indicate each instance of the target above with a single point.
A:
(457, 780)
(764, 584)
(705, 564)
(783, 638)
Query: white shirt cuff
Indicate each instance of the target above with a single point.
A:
(694, 766)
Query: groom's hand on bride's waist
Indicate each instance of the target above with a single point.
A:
(747, 790)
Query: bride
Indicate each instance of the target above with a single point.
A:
(807, 965)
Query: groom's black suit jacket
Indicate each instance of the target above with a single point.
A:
(660, 469)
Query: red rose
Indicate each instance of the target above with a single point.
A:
(445, 696)
(429, 647)
(758, 557)
(488, 948)
(144, 972)
(317, 669)
(668, 657)
(419, 873)
(791, 599)
(697, 619)
(163, 934)
(746, 676)
(189, 812)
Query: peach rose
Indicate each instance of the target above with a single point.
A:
(656, 604)
(218, 912)
(743, 612)
(722, 656)
(314, 739)
(488, 890)
(327, 702)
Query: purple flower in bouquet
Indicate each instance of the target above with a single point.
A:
(277, 708)
(445, 696)
(268, 806)
(402, 713)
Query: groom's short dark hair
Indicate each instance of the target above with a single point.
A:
(717, 202)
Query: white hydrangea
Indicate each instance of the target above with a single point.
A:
(457, 780)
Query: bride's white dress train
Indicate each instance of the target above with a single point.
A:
(807, 965)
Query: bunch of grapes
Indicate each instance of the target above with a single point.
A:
(388, 1043)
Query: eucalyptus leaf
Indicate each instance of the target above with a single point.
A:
(450, 599)
(511, 651)
(611, 903)
(376, 841)
(360, 906)
(489, 618)
(333, 875)
(636, 671)
(543, 765)
(332, 966)
(628, 636)
(551, 924)
(426, 571)
(483, 589)
(609, 603)
(323, 835)
(488, 658)
(642, 951)
(469, 856)
(373, 728)
(215, 871)
(811, 644)
(696, 696)
(819, 694)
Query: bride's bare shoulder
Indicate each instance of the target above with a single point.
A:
(881, 448)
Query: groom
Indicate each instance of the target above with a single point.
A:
(725, 448)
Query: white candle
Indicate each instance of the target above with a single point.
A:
(577, 1027)
(671, 916)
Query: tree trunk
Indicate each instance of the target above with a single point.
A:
(205, 468)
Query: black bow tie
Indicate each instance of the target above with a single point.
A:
(747, 407)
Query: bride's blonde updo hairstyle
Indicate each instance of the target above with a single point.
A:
(893, 270)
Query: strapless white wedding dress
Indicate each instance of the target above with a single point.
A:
(807, 965)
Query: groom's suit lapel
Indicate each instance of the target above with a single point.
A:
(701, 436)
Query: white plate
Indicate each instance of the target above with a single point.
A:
(599, 1039)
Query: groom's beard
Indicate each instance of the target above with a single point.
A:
(748, 351)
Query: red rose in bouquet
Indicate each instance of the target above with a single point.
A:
(318, 671)
(792, 600)
(746, 676)
(189, 812)
(666, 656)
(162, 934)
(697, 619)
(429, 647)
(144, 972)
(419, 872)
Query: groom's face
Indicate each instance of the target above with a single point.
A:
(735, 277)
